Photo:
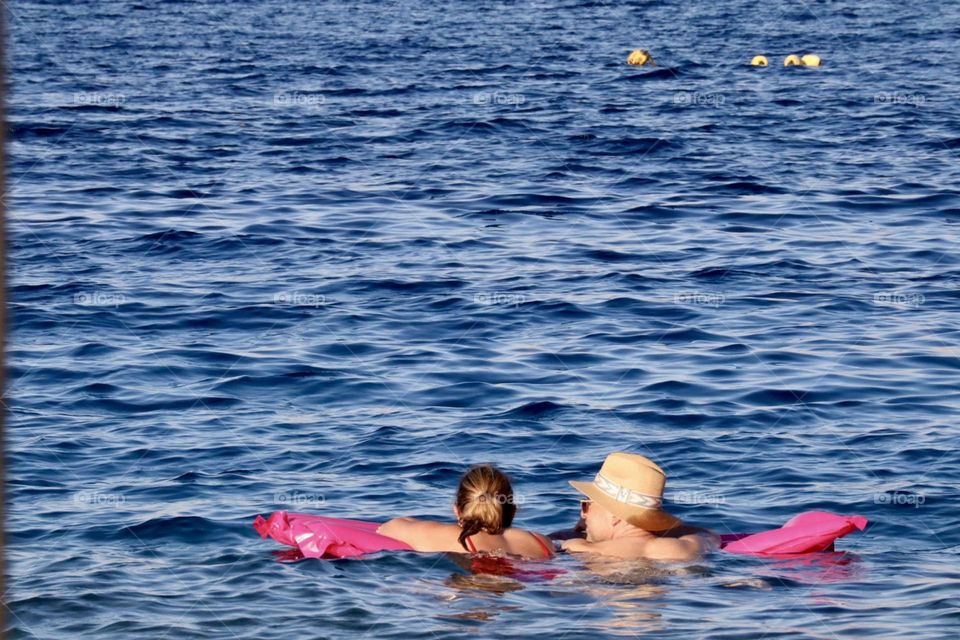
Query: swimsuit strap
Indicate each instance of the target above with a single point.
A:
(470, 545)
(546, 551)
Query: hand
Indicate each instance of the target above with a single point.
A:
(576, 545)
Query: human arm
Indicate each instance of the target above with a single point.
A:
(685, 548)
(422, 535)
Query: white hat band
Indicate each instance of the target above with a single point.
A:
(625, 494)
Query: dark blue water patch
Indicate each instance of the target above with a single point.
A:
(566, 360)
(665, 73)
(743, 229)
(197, 476)
(718, 273)
(934, 361)
(115, 406)
(720, 374)
(677, 388)
(252, 318)
(636, 181)
(99, 389)
(251, 384)
(668, 420)
(408, 286)
(244, 243)
(93, 350)
(558, 309)
(167, 241)
(464, 394)
(790, 397)
(610, 256)
(765, 220)
(536, 409)
(847, 305)
(26, 132)
(744, 188)
(950, 143)
(627, 146)
(187, 529)
(46, 374)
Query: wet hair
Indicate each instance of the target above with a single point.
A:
(485, 502)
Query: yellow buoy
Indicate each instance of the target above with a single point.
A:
(759, 61)
(640, 57)
(791, 60)
(810, 60)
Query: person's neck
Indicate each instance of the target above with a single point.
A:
(483, 536)
(630, 531)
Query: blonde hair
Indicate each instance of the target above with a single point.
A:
(485, 502)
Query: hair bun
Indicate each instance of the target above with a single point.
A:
(484, 502)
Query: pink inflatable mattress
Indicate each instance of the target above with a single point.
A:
(325, 537)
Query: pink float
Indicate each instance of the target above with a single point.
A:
(325, 537)
(806, 533)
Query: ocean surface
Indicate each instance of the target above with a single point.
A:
(324, 256)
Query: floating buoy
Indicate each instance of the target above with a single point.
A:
(810, 60)
(759, 61)
(792, 60)
(640, 57)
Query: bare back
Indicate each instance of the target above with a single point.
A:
(427, 535)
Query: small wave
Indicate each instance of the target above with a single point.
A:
(557, 309)
(680, 336)
(172, 236)
(627, 146)
(608, 255)
(735, 349)
(535, 409)
(422, 286)
(93, 350)
(717, 273)
(775, 397)
(567, 359)
(23, 131)
(464, 394)
(678, 388)
(124, 407)
(99, 388)
(662, 73)
(744, 188)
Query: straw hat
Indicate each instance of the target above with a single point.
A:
(630, 486)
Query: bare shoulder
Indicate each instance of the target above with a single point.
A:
(544, 539)
(532, 544)
(689, 543)
(707, 539)
(623, 548)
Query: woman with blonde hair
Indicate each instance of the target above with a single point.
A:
(484, 509)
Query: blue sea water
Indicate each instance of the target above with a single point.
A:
(323, 256)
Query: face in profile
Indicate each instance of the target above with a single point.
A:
(599, 521)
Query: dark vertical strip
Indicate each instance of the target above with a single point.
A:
(3, 318)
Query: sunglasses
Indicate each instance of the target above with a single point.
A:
(585, 506)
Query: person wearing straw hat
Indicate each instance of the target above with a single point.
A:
(624, 517)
